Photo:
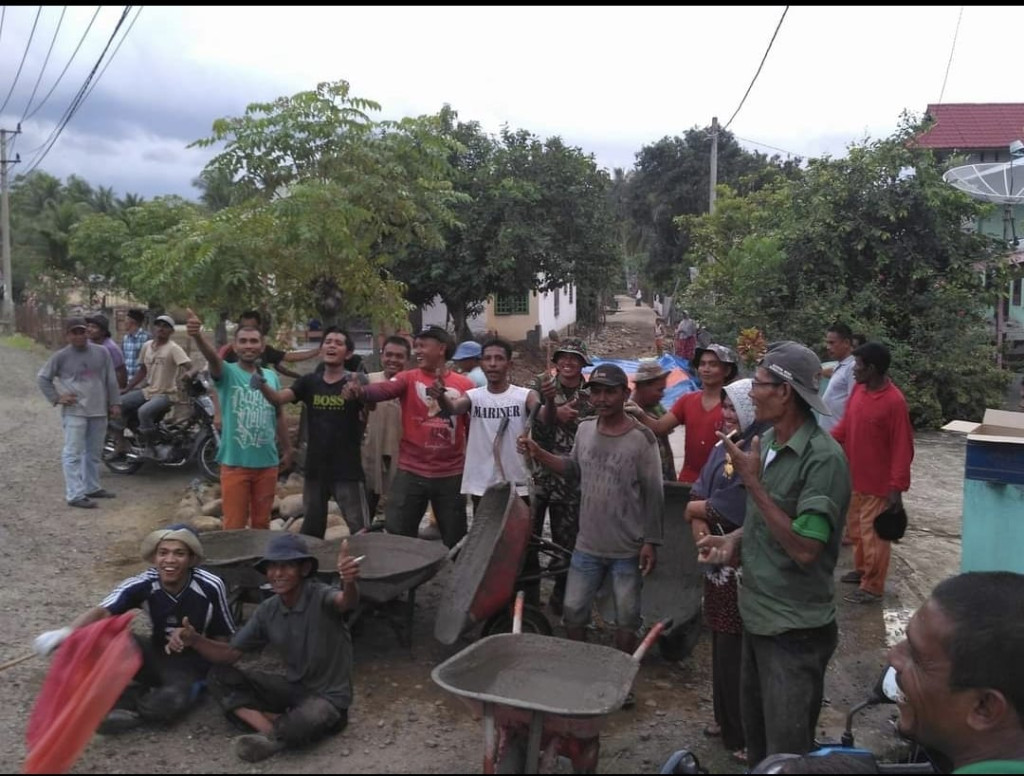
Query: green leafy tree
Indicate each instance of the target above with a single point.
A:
(328, 198)
(672, 178)
(534, 216)
(876, 240)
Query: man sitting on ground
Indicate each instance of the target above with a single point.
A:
(304, 620)
(173, 591)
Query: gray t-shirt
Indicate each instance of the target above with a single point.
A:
(622, 497)
(837, 393)
(312, 638)
(87, 373)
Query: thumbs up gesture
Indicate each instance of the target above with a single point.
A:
(181, 637)
(348, 567)
(193, 325)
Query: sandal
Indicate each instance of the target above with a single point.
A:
(740, 756)
(713, 730)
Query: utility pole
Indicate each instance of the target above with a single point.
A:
(7, 310)
(714, 163)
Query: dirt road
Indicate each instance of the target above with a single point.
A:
(59, 561)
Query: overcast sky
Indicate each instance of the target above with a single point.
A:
(609, 80)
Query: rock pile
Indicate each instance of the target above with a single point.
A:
(202, 508)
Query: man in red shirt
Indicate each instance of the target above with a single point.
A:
(701, 411)
(432, 452)
(878, 440)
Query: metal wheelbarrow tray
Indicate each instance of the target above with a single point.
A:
(487, 565)
(393, 565)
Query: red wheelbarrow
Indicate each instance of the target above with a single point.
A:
(541, 697)
(489, 563)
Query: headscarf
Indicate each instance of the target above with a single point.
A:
(739, 394)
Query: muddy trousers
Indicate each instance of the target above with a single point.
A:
(726, 659)
(565, 525)
(165, 687)
(305, 716)
(871, 553)
(782, 683)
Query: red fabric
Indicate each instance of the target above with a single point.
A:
(432, 445)
(701, 426)
(878, 440)
(89, 672)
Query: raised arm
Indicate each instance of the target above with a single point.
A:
(194, 327)
(348, 570)
(459, 406)
(277, 398)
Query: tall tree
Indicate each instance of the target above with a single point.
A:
(329, 198)
(875, 239)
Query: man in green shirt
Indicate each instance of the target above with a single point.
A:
(798, 490)
(960, 675)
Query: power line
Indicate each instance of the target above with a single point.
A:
(114, 52)
(62, 72)
(777, 27)
(45, 63)
(765, 145)
(951, 50)
(78, 99)
(27, 47)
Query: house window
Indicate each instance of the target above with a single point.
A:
(1018, 290)
(512, 304)
(557, 299)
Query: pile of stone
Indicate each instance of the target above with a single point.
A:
(202, 508)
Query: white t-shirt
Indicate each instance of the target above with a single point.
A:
(837, 393)
(485, 417)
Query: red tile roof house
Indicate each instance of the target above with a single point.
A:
(981, 133)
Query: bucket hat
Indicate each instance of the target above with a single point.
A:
(286, 548)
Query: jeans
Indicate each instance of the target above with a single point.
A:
(586, 575)
(782, 683)
(149, 412)
(83, 447)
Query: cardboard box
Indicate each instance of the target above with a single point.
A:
(996, 426)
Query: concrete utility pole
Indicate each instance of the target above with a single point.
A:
(7, 310)
(714, 163)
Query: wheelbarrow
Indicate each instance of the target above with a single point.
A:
(675, 588)
(231, 555)
(540, 697)
(392, 566)
(488, 565)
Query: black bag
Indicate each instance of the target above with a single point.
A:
(892, 523)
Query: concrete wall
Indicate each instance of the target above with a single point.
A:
(542, 313)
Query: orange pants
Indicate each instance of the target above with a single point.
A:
(870, 552)
(248, 496)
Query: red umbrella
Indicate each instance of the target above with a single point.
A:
(88, 674)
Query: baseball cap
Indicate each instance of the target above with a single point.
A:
(798, 366)
(74, 323)
(165, 319)
(608, 374)
(468, 349)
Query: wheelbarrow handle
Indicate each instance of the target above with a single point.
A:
(517, 612)
(453, 553)
(650, 638)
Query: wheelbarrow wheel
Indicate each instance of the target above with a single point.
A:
(680, 641)
(534, 621)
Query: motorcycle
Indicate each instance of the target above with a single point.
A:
(179, 437)
(846, 756)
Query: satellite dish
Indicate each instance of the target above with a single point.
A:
(993, 182)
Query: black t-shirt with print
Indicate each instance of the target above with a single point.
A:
(335, 427)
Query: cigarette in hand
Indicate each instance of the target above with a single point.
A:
(359, 560)
(732, 436)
